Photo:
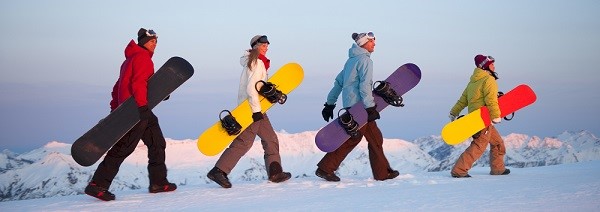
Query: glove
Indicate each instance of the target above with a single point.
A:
(145, 112)
(372, 114)
(496, 121)
(257, 116)
(167, 98)
(327, 111)
(452, 117)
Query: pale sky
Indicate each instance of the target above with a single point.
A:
(61, 58)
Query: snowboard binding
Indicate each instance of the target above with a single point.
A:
(231, 126)
(348, 123)
(385, 91)
(270, 92)
(500, 94)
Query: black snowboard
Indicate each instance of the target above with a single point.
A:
(90, 147)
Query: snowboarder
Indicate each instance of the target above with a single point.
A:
(135, 72)
(255, 65)
(355, 83)
(481, 90)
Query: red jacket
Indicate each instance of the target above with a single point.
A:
(133, 79)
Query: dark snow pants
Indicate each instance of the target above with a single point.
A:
(379, 163)
(150, 133)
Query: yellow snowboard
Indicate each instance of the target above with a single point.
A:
(215, 139)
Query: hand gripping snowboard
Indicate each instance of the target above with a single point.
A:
(90, 147)
(215, 139)
(333, 135)
(461, 129)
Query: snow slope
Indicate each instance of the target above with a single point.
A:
(50, 175)
(574, 187)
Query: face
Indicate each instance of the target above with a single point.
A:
(492, 67)
(263, 48)
(370, 45)
(151, 45)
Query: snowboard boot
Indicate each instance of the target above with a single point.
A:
(162, 188)
(392, 174)
(99, 192)
(331, 177)
(219, 177)
(460, 176)
(276, 173)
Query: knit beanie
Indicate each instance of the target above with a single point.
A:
(483, 62)
(143, 37)
(360, 38)
(258, 39)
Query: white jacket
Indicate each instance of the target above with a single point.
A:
(248, 81)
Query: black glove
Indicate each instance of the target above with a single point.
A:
(167, 98)
(327, 111)
(257, 116)
(372, 114)
(145, 112)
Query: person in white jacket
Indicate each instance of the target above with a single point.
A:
(255, 65)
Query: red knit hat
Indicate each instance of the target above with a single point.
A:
(483, 62)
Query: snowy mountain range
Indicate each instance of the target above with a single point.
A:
(50, 171)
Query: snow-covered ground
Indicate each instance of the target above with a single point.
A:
(548, 174)
(567, 187)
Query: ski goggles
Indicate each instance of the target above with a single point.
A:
(487, 59)
(262, 39)
(151, 33)
(369, 35)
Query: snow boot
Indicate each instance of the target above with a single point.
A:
(219, 177)
(101, 193)
(276, 173)
(392, 174)
(331, 177)
(162, 188)
(461, 176)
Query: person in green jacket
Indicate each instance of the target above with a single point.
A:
(482, 90)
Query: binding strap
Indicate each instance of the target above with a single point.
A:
(270, 92)
(231, 126)
(347, 121)
(389, 95)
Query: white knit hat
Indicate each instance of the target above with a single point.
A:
(362, 38)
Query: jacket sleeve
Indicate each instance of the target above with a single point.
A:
(334, 93)
(460, 104)
(365, 82)
(490, 96)
(114, 103)
(257, 73)
(143, 68)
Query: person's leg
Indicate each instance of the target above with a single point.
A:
(379, 163)
(471, 154)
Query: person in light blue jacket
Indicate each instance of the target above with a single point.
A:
(355, 83)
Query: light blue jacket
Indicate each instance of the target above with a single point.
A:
(355, 81)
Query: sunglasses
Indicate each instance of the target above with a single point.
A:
(262, 39)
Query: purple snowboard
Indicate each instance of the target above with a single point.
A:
(333, 135)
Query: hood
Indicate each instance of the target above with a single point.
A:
(132, 48)
(356, 50)
(479, 74)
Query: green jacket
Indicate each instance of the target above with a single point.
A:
(482, 90)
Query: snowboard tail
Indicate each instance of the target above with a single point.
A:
(215, 139)
(461, 129)
(90, 147)
(333, 135)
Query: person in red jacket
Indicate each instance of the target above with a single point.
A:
(133, 81)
